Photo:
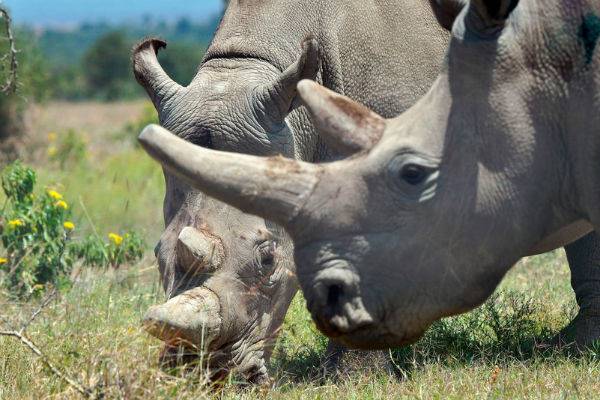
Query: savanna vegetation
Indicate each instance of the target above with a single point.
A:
(79, 214)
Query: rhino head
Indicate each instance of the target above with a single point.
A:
(431, 208)
(229, 276)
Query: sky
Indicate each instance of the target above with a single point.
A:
(42, 13)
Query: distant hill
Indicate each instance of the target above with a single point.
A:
(43, 13)
(65, 47)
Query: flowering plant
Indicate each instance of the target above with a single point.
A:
(32, 232)
(36, 236)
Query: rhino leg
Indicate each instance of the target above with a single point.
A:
(340, 359)
(584, 261)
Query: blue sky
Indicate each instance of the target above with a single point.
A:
(67, 12)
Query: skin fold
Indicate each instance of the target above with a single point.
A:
(431, 208)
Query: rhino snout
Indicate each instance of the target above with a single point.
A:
(335, 303)
(191, 319)
(198, 251)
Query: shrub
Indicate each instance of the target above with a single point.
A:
(67, 149)
(36, 232)
(107, 67)
(118, 250)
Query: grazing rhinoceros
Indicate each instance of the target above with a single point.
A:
(230, 276)
(497, 161)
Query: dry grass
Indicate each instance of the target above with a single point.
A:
(93, 333)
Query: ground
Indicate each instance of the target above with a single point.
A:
(92, 332)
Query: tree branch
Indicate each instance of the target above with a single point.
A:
(10, 85)
(20, 336)
(24, 340)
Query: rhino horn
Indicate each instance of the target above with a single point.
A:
(191, 319)
(274, 188)
(282, 93)
(198, 251)
(148, 72)
(345, 125)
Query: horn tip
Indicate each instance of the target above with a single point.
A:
(310, 44)
(306, 86)
(151, 135)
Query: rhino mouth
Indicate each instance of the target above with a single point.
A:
(192, 329)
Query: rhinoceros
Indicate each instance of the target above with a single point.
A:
(229, 277)
(430, 210)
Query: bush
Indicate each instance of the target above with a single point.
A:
(36, 233)
(67, 149)
(107, 68)
(34, 230)
(117, 251)
(32, 85)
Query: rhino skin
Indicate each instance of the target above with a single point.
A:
(496, 162)
(229, 277)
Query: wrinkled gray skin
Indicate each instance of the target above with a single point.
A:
(497, 161)
(230, 276)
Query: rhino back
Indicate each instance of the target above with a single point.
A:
(384, 54)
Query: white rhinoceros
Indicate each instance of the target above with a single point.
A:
(497, 161)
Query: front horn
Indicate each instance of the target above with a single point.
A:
(274, 188)
(148, 72)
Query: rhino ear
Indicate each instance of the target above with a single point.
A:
(345, 125)
(491, 14)
(446, 11)
(148, 72)
(282, 93)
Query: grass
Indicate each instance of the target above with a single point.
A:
(92, 332)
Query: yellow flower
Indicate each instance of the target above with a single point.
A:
(3, 260)
(15, 222)
(52, 136)
(116, 239)
(52, 150)
(38, 287)
(62, 204)
(55, 195)
(68, 225)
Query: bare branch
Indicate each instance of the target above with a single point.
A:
(37, 312)
(21, 337)
(46, 361)
(13, 65)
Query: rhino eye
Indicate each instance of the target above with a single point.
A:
(413, 174)
(267, 254)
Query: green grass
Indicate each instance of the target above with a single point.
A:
(124, 191)
(92, 332)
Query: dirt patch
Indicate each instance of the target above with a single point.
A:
(94, 118)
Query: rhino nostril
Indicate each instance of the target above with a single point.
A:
(334, 293)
